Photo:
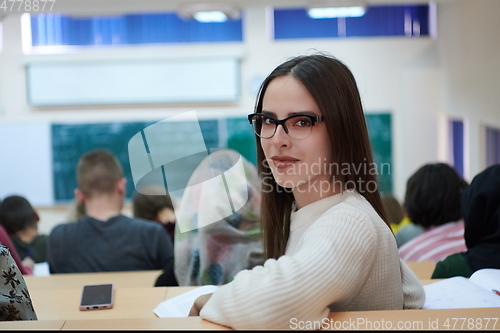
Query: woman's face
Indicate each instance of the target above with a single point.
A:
(301, 165)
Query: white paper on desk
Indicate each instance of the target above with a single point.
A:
(41, 269)
(488, 278)
(179, 306)
(458, 292)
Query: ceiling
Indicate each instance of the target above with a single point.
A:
(103, 7)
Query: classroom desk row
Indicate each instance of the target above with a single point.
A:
(56, 299)
(145, 279)
(133, 279)
(446, 319)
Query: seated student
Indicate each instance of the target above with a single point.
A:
(155, 206)
(407, 231)
(216, 252)
(25, 267)
(15, 300)
(21, 222)
(481, 211)
(326, 241)
(76, 210)
(433, 201)
(401, 225)
(394, 212)
(105, 240)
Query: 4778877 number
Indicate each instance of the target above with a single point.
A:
(26, 5)
(470, 323)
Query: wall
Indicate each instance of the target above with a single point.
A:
(418, 79)
(471, 67)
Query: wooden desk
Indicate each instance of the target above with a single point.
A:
(423, 270)
(188, 323)
(133, 279)
(62, 304)
(429, 281)
(51, 325)
(57, 309)
(445, 319)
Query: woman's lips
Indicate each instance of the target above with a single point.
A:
(281, 162)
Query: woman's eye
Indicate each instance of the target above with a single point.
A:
(303, 122)
(268, 121)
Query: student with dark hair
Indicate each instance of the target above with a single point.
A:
(393, 210)
(326, 241)
(156, 206)
(400, 223)
(481, 212)
(105, 240)
(21, 222)
(433, 201)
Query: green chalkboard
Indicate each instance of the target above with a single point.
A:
(71, 141)
(240, 137)
(380, 133)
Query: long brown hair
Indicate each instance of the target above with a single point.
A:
(334, 89)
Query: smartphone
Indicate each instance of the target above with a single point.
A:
(97, 297)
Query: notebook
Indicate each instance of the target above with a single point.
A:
(478, 291)
(179, 306)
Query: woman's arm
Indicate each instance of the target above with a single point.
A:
(330, 265)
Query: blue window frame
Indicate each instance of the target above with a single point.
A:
(61, 30)
(457, 145)
(407, 20)
(492, 146)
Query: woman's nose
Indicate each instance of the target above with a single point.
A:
(280, 137)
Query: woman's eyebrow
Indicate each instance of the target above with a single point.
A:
(311, 113)
(269, 113)
(298, 113)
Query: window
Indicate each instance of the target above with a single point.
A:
(152, 28)
(456, 149)
(408, 20)
(492, 146)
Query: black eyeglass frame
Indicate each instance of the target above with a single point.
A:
(281, 122)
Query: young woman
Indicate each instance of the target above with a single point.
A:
(327, 244)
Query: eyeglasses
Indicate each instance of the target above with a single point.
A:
(297, 127)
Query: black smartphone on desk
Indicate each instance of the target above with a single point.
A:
(97, 297)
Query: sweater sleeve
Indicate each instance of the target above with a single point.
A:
(413, 291)
(330, 265)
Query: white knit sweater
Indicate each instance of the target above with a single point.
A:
(341, 256)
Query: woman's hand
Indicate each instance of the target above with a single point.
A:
(199, 303)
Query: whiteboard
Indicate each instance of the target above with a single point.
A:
(122, 81)
(26, 162)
